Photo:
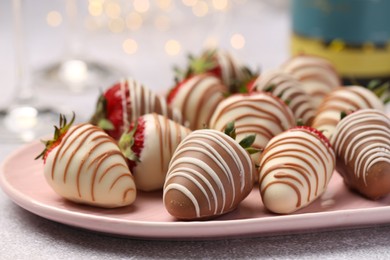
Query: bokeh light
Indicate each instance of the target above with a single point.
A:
(172, 47)
(54, 18)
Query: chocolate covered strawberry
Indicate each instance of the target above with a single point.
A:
(219, 63)
(124, 102)
(209, 175)
(295, 169)
(83, 164)
(343, 99)
(287, 88)
(361, 141)
(317, 75)
(196, 98)
(257, 113)
(148, 147)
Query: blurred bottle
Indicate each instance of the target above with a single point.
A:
(353, 34)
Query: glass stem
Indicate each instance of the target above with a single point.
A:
(73, 23)
(23, 89)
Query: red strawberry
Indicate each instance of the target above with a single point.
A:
(148, 145)
(124, 102)
(83, 164)
(316, 132)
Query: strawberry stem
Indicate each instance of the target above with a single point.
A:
(126, 143)
(59, 132)
(245, 143)
(100, 117)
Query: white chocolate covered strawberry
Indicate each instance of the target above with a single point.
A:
(286, 87)
(209, 175)
(196, 98)
(149, 146)
(343, 99)
(295, 169)
(124, 102)
(317, 75)
(361, 141)
(259, 113)
(83, 164)
(219, 63)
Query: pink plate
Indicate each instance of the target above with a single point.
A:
(21, 177)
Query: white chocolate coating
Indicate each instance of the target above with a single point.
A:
(288, 89)
(295, 169)
(317, 75)
(88, 167)
(208, 176)
(197, 99)
(230, 68)
(162, 136)
(343, 99)
(259, 113)
(365, 137)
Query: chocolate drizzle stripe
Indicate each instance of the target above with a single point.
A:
(207, 92)
(84, 134)
(121, 176)
(189, 88)
(64, 140)
(233, 155)
(159, 132)
(370, 143)
(110, 168)
(197, 184)
(300, 169)
(258, 107)
(343, 100)
(87, 155)
(298, 157)
(101, 159)
(254, 129)
(214, 156)
(126, 192)
(283, 175)
(209, 171)
(294, 187)
(188, 171)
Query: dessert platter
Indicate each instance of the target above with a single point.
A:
(200, 164)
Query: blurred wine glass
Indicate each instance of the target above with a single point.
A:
(24, 119)
(74, 72)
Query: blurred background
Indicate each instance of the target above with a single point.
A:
(139, 38)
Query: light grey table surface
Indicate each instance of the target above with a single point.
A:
(24, 235)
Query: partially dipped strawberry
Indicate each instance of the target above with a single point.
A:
(84, 165)
(148, 146)
(124, 102)
(196, 98)
(295, 169)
